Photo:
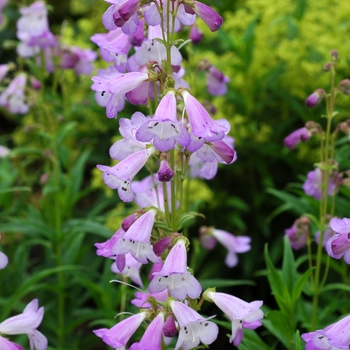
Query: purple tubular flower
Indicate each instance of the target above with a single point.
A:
(211, 18)
(120, 176)
(338, 246)
(202, 125)
(224, 151)
(121, 85)
(119, 335)
(128, 9)
(105, 248)
(297, 136)
(163, 128)
(174, 275)
(165, 173)
(137, 239)
(129, 220)
(240, 313)
(234, 244)
(298, 233)
(78, 59)
(152, 338)
(194, 329)
(334, 337)
(141, 299)
(26, 323)
(315, 98)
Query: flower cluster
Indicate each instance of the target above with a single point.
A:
(177, 141)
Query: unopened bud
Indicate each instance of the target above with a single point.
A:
(335, 54)
(196, 35)
(344, 86)
(169, 328)
(165, 173)
(315, 98)
(327, 67)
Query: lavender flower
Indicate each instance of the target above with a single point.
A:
(119, 335)
(152, 338)
(313, 183)
(202, 125)
(234, 244)
(194, 329)
(240, 313)
(163, 128)
(120, 176)
(338, 246)
(137, 239)
(131, 269)
(13, 97)
(25, 323)
(196, 35)
(216, 81)
(174, 275)
(3, 260)
(334, 337)
(78, 59)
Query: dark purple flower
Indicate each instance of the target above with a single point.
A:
(212, 19)
(315, 98)
(297, 136)
(196, 35)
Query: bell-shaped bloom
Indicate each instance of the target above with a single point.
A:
(234, 244)
(163, 128)
(5, 344)
(27, 323)
(334, 337)
(211, 18)
(152, 338)
(137, 239)
(298, 233)
(131, 269)
(313, 184)
(105, 248)
(13, 97)
(240, 313)
(216, 81)
(119, 335)
(120, 176)
(3, 260)
(315, 98)
(297, 136)
(174, 275)
(194, 328)
(202, 125)
(338, 246)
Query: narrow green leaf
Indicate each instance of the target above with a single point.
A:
(300, 283)
(289, 272)
(252, 340)
(210, 283)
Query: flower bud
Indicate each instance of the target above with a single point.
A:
(196, 35)
(165, 173)
(162, 245)
(335, 54)
(315, 98)
(344, 86)
(327, 67)
(129, 220)
(169, 329)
